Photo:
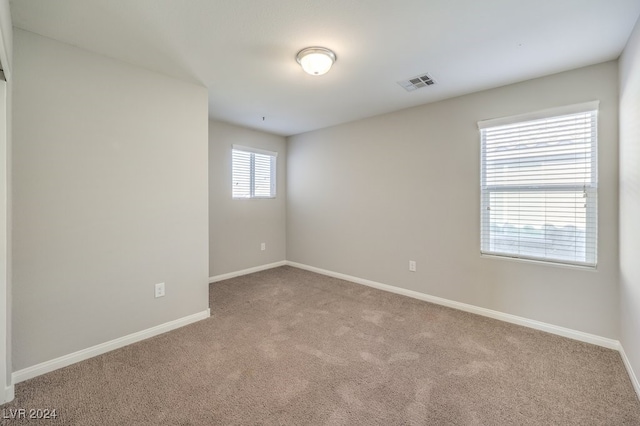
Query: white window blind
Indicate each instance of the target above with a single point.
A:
(253, 172)
(539, 186)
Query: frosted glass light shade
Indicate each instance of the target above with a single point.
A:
(316, 60)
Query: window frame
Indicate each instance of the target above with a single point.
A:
(252, 172)
(589, 190)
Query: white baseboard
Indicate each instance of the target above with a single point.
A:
(538, 325)
(632, 375)
(63, 361)
(247, 271)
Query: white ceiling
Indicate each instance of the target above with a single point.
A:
(244, 51)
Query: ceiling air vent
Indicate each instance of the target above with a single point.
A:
(423, 80)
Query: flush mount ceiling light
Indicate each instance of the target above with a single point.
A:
(316, 60)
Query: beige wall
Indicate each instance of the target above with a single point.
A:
(238, 227)
(6, 60)
(366, 197)
(630, 200)
(110, 198)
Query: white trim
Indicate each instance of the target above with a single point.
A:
(63, 361)
(632, 375)
(5, 238)
(254, 150)
(247, 271)
(538, 325)
(6, 35)
(537, 115)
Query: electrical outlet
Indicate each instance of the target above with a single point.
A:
(159, 290)
(263, 246)
(412, 265)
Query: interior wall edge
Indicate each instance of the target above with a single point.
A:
(9, 393)
(632, 375)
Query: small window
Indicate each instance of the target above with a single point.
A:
(539, 186)
(253, 173)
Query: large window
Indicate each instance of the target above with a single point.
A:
(253, 172)
(539, 185)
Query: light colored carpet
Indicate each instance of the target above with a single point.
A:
(290, 347)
